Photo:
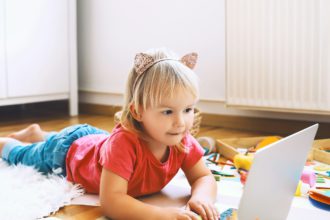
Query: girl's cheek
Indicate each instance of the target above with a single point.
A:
(191, 123)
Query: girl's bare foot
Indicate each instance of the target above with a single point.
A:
(30, 134)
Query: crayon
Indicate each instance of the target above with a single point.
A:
(322, 187)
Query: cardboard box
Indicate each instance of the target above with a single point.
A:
(319, 152)
(228, 147)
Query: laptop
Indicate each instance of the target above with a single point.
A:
(274, 176)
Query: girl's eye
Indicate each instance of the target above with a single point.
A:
(187, 110)
(167, 112)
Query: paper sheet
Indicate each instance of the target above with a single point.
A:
(177, 192)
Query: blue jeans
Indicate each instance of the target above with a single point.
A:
(48, 156)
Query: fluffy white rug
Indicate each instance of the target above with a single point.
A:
(27, 194)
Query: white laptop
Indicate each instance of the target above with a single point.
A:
(274, 176)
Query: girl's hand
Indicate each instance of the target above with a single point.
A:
(178, 214)
(205, 209)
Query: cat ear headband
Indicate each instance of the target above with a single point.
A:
(143, 61)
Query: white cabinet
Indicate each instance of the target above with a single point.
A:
(3, 86)
(38, 57)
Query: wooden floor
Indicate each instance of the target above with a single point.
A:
(13, 120)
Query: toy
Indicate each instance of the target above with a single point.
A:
(208, 144)
(320, 198)
(267, 141)
(308, 177)
(302, 189)
(243, 161)
(243, 176)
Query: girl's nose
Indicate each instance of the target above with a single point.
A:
(179, 120)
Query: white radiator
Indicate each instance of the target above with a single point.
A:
(278, 55)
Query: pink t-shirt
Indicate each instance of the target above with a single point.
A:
(125, 154)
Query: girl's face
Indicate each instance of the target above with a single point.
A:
(167, 123)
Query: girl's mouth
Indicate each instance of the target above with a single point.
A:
(175, 133)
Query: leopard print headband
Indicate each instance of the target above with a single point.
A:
(143, 61)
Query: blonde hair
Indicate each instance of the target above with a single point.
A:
(159, 81)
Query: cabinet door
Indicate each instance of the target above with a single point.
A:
(37, 47)
(3, 88)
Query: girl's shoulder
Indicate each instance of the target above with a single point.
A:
(121, 142)
(122, 134)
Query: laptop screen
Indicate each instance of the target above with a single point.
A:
(274, 176)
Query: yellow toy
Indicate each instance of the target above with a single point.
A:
(243, 161)
(302, 189)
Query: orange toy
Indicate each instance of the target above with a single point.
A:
(267, 141)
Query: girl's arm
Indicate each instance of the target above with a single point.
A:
(203, 191)
(116, 204)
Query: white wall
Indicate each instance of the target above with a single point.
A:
(111, 32)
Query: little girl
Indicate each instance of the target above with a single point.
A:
(142, 153)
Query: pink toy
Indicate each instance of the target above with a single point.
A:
(308, 177)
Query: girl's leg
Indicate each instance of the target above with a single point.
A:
(26, 147)
(48, 155)
(6, 141)
(3, 141)
(31, 134)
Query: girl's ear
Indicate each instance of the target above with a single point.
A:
(134, 113)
